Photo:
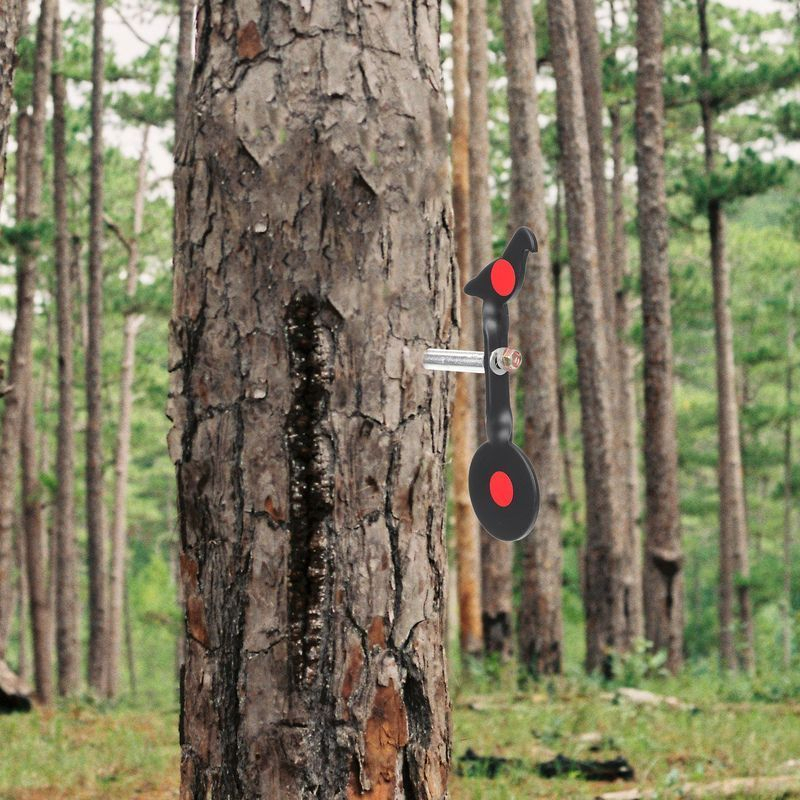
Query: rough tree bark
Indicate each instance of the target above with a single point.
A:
(540, 622)
(464, 424)
(313, 266)
(119, 519)
(605, 589)
(65, 560)
(734, 559)
(496, 556)
(663, 550)
(10, 22)
(95, 511)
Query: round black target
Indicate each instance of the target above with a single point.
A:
(504, 490)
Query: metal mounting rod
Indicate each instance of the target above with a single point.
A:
(502, 360)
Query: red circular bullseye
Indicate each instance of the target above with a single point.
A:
(501, 489)
(503, 278)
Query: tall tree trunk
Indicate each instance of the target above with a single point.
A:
(65, 556)
(734, 560)
(36, 554)
(309, 444)
(627, 415)
(606, 626)
(787, 487)
(183, 80)
(11, 21)
(496, 556)
(36, 558)
(119, 541)
(540, 623)
(23, 662)
(21, 343)
(592, 75)
(464, 423)
(663, 552)
(95, 511)
(9, 436)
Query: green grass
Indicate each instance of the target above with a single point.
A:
(722, 738)
(80, 751)
(741, 727)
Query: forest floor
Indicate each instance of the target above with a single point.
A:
(82, 751)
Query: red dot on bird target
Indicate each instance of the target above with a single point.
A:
(501, 489)
(503, 278)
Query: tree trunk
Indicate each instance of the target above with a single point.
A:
(10, 22)
(183, 81)
(464, 423)
(19, 374)
(787, 487)
(119, 541)
(313, 266)
(592, 74)
(95, 511)
(606, 626)
(32, 524)
(540, 623)
(9, 433)
(23, 599)
(627, 415)
(65, 556)
(183, 63)
(663, 552)
(36, 553)
(734, 561)
(496, 556)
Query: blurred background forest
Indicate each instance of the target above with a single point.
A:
(753, 76)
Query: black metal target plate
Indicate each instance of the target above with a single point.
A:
(505, 517)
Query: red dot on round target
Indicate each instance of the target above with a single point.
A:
(501, 489)
(503, 278)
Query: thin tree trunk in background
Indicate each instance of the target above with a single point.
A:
(9, 433)
(606, 626)
(540, 622)
(183, 63)
(734, 560)
(183, 81)
(787, 488)
(592, 74)
(664, 616)
(119, 539)
(628, 428)
(95, 512)
(11, 22)
(65, 559)
(496, 556)
(563, 422)
(309, 446)
(36, 555)
(464, 424)
(131, 657)
(23, 662)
